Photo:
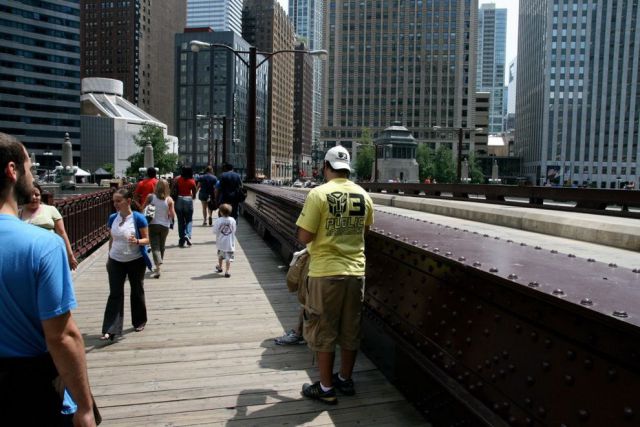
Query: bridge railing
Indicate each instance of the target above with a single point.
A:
(588, 200)
(85, 219)
(478, 330)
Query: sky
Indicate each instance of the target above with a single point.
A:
(512, 23)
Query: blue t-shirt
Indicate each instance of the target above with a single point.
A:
(207, 185)
(35, 285)
(229, 184)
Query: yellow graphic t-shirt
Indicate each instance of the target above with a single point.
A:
(337, 213)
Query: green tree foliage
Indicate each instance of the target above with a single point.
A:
(108, 167)
(164, 161)
(424, 157)
(365, 157)
(444, 165)
(475, 171)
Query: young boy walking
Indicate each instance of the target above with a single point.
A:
(225, 231)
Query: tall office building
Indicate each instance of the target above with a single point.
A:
(410, 61)
(265, 25)
(212, 89)
(302, 114)
(578, 103)
(221, 15)
(308, 21)
(40, 75)
(127, 41)
(492, 45)
(510, 118)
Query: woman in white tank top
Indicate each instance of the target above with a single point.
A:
(162, 219)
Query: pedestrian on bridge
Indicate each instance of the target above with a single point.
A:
(48, 217)
(40, 343)
(206, 194)
(161, 222)
(186, 192)
(129, 235)
(229, 189)
(333, 222)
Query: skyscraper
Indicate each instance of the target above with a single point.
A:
(40, 75)
(127, 41)
(265, 25)
(221, 15)
(510, 118)
(577, 104)
(308, 22)
(492, 33)
(302, 114)
(411, 61)
(212, 88)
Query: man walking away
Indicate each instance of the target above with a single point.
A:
(206, 190)
(228, 188)
(333, 222)
(39, 339)
(145, 187)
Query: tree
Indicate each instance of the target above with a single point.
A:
(475, 171)
(108, 167)
(444, 165)
(365, 157)
(164, 161)
(424, 157)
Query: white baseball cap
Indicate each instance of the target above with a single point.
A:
(339, 158)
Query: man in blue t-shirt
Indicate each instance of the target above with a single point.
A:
(39, 339)
(206, 190)
(228, 188)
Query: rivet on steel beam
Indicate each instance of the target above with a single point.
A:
(462, 258)
(530, 381)
(477, 263)
(511, 368)
(542, 412)
(518, 328)
(486, 332)
(554, 251)
(397, 236)
(475, 232)
(415, 242)
(509, 241)
(613, 264)
(528, 421)
(513, 276)
(478, 308)
(534, 336)
(527, 401)
(613, 374)
(587, 302)
(406, 239)
(583, 414)
(436, 249)
(502, 373)
(496, 238)
(389, 233)
(485, 235)
(493, 270)
(571, 355)
(448, 253)
(453, 331)
(424, 246)
(588, 364)
(628, 412)
(620, 313)
(537, 248)
(636, 270)
(558, 292)
(523, 244)
(533, 284)
(591, 260)
(468, 340)
(568, 380)
(548, 343)
(465, 231)
(497, 317)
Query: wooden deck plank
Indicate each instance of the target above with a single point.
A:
(207, 355)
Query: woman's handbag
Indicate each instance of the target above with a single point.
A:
(298, 270)
(149, 213)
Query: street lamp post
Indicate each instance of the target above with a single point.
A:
(460, 132)
(210, 139)
(252, 65)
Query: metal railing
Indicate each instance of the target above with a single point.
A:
(85, 219)
(586, 200)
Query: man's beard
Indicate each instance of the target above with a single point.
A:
(23, 190)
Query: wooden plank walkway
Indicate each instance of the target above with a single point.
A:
(207, 355)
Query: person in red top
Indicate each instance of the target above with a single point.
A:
(186, 186)
(146, 186)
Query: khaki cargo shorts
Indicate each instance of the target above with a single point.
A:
(332, 312)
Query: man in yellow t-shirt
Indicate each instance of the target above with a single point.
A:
(333, 223)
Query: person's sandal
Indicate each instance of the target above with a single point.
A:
(139, 328)
(108, 337)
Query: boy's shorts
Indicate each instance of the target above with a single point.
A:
(332, 312)
(227, 256)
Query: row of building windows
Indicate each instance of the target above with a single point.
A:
(40, 17)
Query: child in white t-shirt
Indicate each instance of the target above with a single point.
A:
(225, 230)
